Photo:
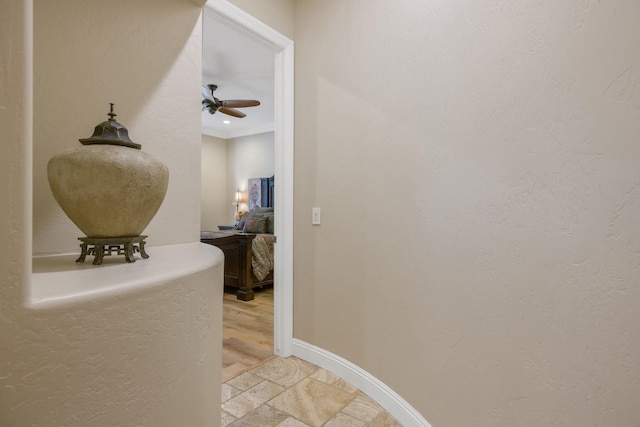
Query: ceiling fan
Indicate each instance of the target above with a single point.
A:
(228, 106)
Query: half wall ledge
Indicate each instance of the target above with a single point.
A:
(58, 281)
(118, 344)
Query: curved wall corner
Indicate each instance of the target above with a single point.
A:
(395, 405)
(119, 344)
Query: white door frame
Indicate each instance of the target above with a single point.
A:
(283, 124)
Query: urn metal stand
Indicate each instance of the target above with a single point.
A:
(108, 246)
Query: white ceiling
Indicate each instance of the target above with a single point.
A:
(242, 68)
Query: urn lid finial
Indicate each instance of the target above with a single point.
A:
(111, 113)
(111, 132)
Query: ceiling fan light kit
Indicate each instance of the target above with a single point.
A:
(228, 106)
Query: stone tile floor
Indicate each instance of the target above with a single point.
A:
(289, 392)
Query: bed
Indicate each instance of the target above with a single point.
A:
(248, 249)
(248, 259)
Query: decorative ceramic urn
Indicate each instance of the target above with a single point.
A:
(108, 187)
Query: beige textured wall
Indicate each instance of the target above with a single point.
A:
(15, 161)
(143, 56)
(130, 353)
(477, 168)
(278, 14)
(214, 194)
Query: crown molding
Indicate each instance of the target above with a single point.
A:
(237, 133)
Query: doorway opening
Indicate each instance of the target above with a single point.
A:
(282, 49)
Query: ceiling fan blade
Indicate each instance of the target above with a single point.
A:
(206, 93)
(232, 112)
(240, 103)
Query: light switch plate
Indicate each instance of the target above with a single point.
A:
(315, 216)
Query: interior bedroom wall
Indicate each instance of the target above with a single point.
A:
(146, 58)
(251, 156)
(477, 168)
(214, 192)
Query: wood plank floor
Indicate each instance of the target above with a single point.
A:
(247, 332)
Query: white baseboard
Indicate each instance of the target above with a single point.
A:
(367, 383)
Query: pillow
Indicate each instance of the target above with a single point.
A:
(269, 217)
(255, 225)
(266, 213)
(241, 222)
(258, 210)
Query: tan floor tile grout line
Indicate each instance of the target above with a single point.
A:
(335, 403)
